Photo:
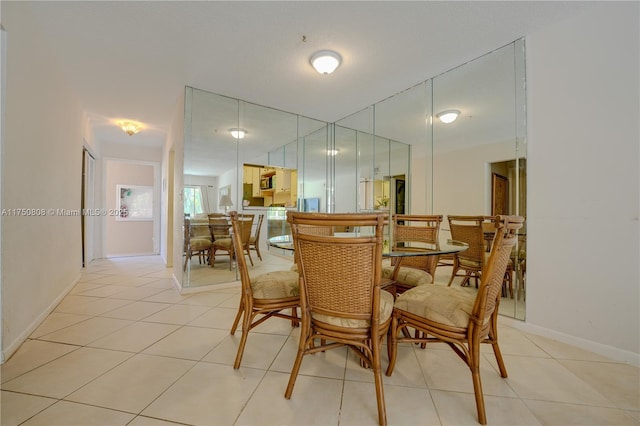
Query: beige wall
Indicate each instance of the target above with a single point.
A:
(126, 238)
(42, 163)
(582, 169)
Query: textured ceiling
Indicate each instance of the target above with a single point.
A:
(133, 59)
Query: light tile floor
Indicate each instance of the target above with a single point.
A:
(124, 348)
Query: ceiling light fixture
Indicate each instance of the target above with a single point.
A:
(130, 127)
(238, 133)
(448, 116)
(325, 61)
(333, 152)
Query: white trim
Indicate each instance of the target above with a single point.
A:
(3, 89)
(130, 255)
(616, 354)
(199, 289)
(13, 347)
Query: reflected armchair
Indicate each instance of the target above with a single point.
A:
(196, 244)
(412, 232)
(468, 229)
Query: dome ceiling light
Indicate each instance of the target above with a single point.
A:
(448, 116)
(238, 133)
(325, 61)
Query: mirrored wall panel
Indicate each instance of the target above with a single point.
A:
(479, 158)
(240, 157)
(454, 144)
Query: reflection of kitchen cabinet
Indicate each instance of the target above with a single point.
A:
(294, 185)
(247, 174)
(283, 181)
(255, 180)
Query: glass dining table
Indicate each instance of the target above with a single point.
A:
(445, 246)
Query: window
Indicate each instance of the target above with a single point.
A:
(193, 200)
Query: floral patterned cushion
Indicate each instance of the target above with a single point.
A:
(408, 276)
(446, 305)
(275, 285)
(386, 308)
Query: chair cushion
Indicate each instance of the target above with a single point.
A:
(386, 308)
(198, 244)
(407, 275)
(200, 231)
(445, 305)
(224, 243)
(275, 285)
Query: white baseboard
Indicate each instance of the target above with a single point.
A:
(15, 345)
(199, 289)
(615, 354)
(110, 255)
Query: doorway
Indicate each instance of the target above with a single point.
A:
(87, 222)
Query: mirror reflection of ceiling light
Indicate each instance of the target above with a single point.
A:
(448, 116)
(325, 61)
(238, 133)
(333, 152)
(130, 127)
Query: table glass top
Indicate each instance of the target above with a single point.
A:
(285, 242)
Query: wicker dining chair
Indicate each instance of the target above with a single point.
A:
(456, 317)
(470, 262)
(263, 296)
(412, 232)
(254, 240)
(226, 244)
(340, 296)
(199, 245)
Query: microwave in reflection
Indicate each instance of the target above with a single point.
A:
(266, 183)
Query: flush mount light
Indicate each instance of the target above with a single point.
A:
(333, 152)
(238, 133)
(448, 116)
(325, 61)
(130, 127)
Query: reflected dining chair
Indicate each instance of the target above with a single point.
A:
(453, 316)
(200, 245)
(263, 296)
(245, 223)
(468, 229)
(412, 232)
(340, 296)
(254, 241)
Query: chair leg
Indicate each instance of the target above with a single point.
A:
(257, 246)
(236, 321)
(249, 254)
(477, 389)
(246, 326)
(377, 374)
(392, 345)
(454, 271)
(298, 362)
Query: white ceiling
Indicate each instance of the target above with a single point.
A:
(133, 59)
